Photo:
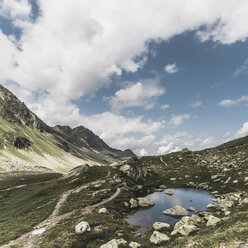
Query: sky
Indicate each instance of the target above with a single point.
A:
(153, 76)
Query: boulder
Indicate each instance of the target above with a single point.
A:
(158, 238)
(145, 202)
(133, 203)
(82, 227)
(191, 209)
(185, 230)
(245, 179)
(212, 220)
(176, 211)
(134, 245)
(114, 243)
(169, 192)
(160, 225)
(103, 211)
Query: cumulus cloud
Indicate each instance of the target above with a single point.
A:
(229, 102)
(196, 104)
(179, 140)
(171, 68)
(142, 93)
(243, 130)
(165, 106)
(75, 47)
(176, 120)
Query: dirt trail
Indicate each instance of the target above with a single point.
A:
(29, 239)
(161, 159)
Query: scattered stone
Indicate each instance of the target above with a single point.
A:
(244, 201)
(126, 204)
(82, 227)
(235, 181)
(212, 220)
(185, 230)
(133, 203)
(145, 202)
(158, 238)
(162, 186)
(114, 243)
(134, 245)
(103, 211)
(169, 192)
(245, 179)
(227, 213)
(191, 209)
(176, 211)
(173, 179)
(160, 225)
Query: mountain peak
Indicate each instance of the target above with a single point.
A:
(15, 111)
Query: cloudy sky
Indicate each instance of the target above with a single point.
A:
(154, 76)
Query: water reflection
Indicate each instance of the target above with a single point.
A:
(186, 198)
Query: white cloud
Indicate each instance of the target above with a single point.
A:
(165, 106)
(229, 102)
(171, 68)
(243, 130)
(73, 48)
(142, 94)
(179, 140)
(241, 69)
(196, 104)
(176, 120)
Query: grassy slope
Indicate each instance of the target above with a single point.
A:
(228, 160)
(43, 150)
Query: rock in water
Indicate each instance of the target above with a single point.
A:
(191, 209)
(82, 227)
(169, 192)
(158, 238)
(176, 211)
(114, 243)
(145, 202)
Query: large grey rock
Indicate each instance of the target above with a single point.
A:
(133, 203)
(82, 227)
(103, 211)
(212, 220)
(145, 202)
(158, 238)
(185, 230)
(114, 243)
(176, 211)
(134, 245)
(160, 225)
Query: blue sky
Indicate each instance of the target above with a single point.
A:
(156, 79)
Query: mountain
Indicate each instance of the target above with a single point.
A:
(28, 143)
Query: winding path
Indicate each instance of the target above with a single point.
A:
(31, 238)
(161, 159)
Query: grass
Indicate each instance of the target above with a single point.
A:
(23, 208)
(200, 167)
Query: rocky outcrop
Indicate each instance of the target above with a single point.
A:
(176, 211)
(21, 142)
(145, 202)
(158, 238)
(77, 170)
(160, 225)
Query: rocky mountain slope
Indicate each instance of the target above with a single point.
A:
(87, 207)
(27, 143)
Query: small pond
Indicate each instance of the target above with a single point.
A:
(198, 199)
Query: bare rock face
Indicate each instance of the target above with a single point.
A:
(21, 142)
(176, 211)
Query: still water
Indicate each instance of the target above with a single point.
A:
(198, 199)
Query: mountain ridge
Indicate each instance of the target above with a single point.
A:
(21, 128)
